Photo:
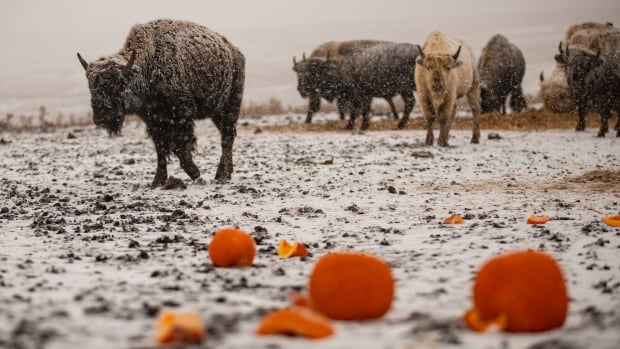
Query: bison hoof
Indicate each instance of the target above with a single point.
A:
(475, 141)
(580, 128)
(158, 182)
(349, 127)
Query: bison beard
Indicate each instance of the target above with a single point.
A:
(176, 72)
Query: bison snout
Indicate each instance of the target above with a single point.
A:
(437, 87)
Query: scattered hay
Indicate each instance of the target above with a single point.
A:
(528, 120)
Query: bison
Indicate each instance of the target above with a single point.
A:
(311, 79)
(383, 70)
(594, 77)
(171, 73)
(501, 67)
(555, 92)
(444, 72)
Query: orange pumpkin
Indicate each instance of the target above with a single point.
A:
(612, 221)
(297, 321)
(351, 286)
(454, 219)
(286, 250)
(534, 219)
(519, 292)
(179, 327)
(232, 248)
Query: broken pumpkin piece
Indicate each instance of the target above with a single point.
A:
(520, 291)
(296, 321)
(179, 327)
(299, 299)
(534, 219)
(286, 250)
(454, 219)
(612, 221)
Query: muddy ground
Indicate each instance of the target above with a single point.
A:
(89, 254)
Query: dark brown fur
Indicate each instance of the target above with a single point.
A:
(171, 73)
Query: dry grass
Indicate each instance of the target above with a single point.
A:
(531, 119)
(528, 120)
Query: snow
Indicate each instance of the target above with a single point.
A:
(88, 197)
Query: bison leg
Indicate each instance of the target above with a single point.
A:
(353, 114)
(581, 124)
(392, 108)
(162, 147)
(313, 107)
(342, 108)
(429, 118)
(605, 114)
(446, 115)
(617, 128)
(183, 150)
(473, 99)
(365, 111)
(409, 103)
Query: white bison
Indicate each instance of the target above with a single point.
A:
(444, 72)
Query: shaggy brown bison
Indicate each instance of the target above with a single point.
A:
(593, 76)
(171, 73)
(384, 70)
(313, 83)
(501, 67)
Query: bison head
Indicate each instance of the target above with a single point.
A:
(314, 77)
(489, 100)
(439, 67)
(579, 61)
(109, 80)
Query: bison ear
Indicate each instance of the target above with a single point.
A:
(82, 61)
(560, 58)
(457, 63)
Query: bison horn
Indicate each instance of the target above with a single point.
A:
(294, 61)
(420, 52)
(456, 55)
(560, 48)
(303, 56)
(542, 76)
(132, 59)
(82, 61)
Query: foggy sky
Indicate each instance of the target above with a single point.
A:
(39, 39)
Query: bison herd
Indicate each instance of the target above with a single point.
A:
(171, 73)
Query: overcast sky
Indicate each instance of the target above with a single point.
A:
(39, 39)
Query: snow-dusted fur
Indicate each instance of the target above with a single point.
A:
(555, 92)
(311, 79)
(501, 67)
(171, 73)
(384, 70)
(593, 76)
(444, 72)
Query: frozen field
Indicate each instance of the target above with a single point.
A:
(89, 253)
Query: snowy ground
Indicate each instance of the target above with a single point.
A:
(89, 253)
